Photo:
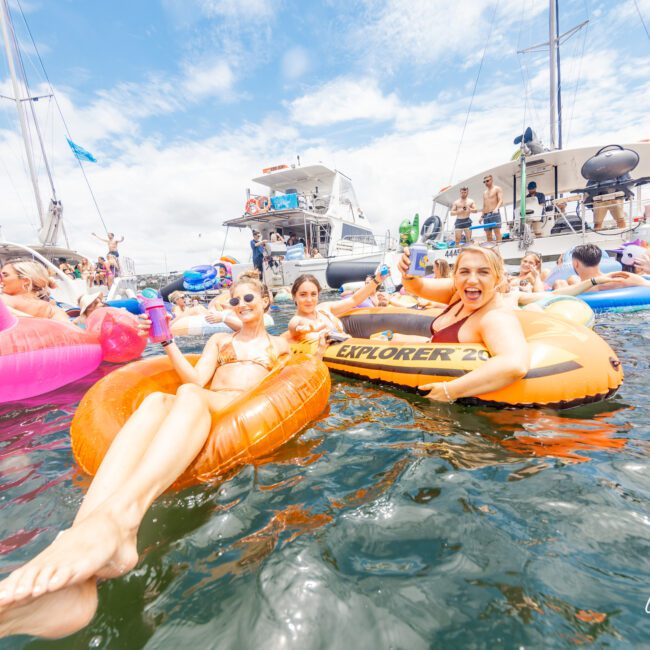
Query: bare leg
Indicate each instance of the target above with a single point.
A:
(52, 615)
(126, 451)
(103, 544)
(497, 232)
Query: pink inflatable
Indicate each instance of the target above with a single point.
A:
(117, 331)
(38, 355)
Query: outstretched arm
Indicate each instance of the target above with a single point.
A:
(509, 360)
(344, 306)
(100, 238)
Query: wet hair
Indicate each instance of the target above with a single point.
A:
(492, 258)
(588, 254)
(40, 281)
(537, 256)
(443, 267)
(301, 279)
(252, 279)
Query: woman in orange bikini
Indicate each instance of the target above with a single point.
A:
(56, 594)
(475, 313)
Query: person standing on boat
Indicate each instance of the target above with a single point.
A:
(492, 202)
(257, 246)
(532, 196)
(462, 209)
(112, 243)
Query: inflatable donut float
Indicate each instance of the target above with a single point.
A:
(569, 364)
(199, 326)
(252, 426)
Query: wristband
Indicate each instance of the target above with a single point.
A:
(593, 282)
(446, 392)
(166, 343)
(374, 279)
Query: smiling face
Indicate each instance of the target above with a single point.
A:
(11, 283)
(306, 298)
(475, 280)
(248, 311)
(529, 263)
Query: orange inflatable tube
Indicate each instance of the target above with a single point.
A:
(252, 426)
(569, 364)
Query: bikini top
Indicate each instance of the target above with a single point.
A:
(228, 354)
(448, 334)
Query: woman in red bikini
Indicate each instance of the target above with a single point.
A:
(56, 593)
(475, 313)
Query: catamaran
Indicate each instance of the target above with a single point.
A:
(49, 250)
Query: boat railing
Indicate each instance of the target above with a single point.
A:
(362, 244)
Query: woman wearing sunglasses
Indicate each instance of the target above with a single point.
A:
(56, 594)
(313, 317)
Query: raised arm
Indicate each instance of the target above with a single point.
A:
(344, 306)
(509, 360)
(100, 238)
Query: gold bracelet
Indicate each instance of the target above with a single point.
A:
(446, 392)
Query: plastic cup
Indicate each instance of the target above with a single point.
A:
(419, 259)
(158, 316)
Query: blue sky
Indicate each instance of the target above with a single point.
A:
(183, 101)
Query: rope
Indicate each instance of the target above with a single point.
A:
(65, 125)
(471, 101)
(636, 4)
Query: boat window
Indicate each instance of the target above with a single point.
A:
(354, 233)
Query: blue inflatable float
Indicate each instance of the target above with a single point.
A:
(200, 278)
(626, 299)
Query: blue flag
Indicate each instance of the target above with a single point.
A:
(80, 152)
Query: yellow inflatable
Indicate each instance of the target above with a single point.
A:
(254, 425)
(569, 364)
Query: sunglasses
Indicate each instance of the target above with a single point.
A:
(487, 180)
(249, 297)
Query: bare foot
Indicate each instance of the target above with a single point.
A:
(52, 615)
(95, 547)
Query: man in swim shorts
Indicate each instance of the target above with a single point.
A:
(462, 209)
(492, 201)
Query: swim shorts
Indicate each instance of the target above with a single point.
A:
(492, 218)
(114, 253)
(462, 224)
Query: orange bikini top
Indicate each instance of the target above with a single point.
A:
(228, 354)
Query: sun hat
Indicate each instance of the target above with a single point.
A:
(88, 299)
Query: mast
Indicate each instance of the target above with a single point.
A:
(8, 39)
(555, 89)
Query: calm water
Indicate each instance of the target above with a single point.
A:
(390, 523)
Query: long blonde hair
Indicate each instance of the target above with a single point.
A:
(40, 281)
(493, 260)
(252, 279)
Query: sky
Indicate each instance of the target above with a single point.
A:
(182, 102)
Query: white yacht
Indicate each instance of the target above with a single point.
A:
(316, 206)
(48, 250)
(563, 221)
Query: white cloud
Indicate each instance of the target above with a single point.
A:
(203, 80)
(295, 63)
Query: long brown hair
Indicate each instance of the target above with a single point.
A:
(301, 279)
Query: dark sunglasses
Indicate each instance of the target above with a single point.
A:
(249, 297)
(487, 180)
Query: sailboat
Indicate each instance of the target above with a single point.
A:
(564, 177)
(49, 248)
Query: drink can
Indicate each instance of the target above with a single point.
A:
(419, 259)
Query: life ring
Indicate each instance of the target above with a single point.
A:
(625, 299)
(568, 308)
(569, 364)
(200, 278)
(252, 206)
(263, 203)
(253, 426)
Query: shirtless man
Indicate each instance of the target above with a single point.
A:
(492, 201)
(112, 243)
(462, 208)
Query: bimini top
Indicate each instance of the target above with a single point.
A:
(541, 169)
(298, 178)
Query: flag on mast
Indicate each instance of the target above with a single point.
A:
(80, 152)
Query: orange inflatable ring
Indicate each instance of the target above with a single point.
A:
(569, 364)
(252, 206)
(263, 203)
(229, 259)
(252, 426)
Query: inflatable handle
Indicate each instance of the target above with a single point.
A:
(609, 146)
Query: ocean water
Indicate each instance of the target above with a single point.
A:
(390, 523)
